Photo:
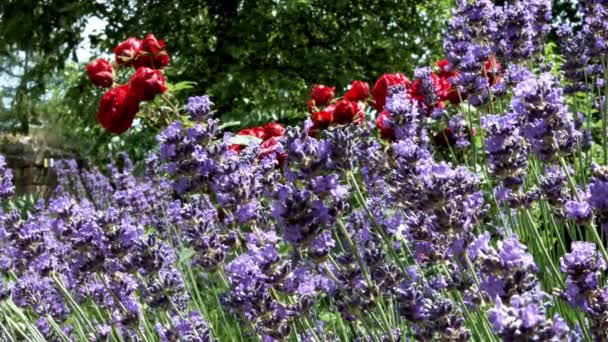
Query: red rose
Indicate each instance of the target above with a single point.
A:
(322, 119)
(347, 111)
(101, 73)
(492, 70)
(258, 132)
(117, 109)
(272, 148)
(146, 83)
(126, 51)
(440, 85)
(383, 124)
(236, 148)
(311, 105)
(380, 89)
(322, 94)
(274, 129)
(445, 69)
(358, 91)
(152, 53)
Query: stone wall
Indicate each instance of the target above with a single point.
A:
(31, 159)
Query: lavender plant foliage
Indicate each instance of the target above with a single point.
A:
(97, 250)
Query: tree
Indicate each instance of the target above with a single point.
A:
(260, 58)
(37, 38)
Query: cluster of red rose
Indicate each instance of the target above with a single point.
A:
(350, 109)
(269, 134)
(120, 104)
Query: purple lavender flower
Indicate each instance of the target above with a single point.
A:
(192, 328)
(548, 125)
(459, 132)
(575, 57)
(199, 107)
(507, 150)
(594, 31)
(584, 266)
(553, 184)
(598, 194)
(578, 211)
(505, 271)
(524, 318)
(516, 41)
(468, 48)
(6, 180)
(433, 317)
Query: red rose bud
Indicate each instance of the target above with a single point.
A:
(258, 132)
(383, 124)
(101, 73)
(147, 83)
(126, 51)
(322, 94)
(359, 91)
(322, 119)
(380, 90)
(347, 111)
(152, 53)
(274, 129)
(117, 109)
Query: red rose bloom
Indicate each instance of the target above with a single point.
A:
(322, 119)
(258, 132)
(274, 129)
(117, 109)
(236, 148)
(345, 111)
(146, 83)
(382, 122)
(358, 91)
(101, 73)
(322, 94)
(126, 51)
(152, 53)
(445, 69)
(380, 89)
(272, 148)
(311, 105)
(440, 85)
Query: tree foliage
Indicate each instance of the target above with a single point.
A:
(259, 58)
(36, 40)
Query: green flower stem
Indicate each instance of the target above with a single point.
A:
(365, 271)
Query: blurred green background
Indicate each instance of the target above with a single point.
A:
(256, 59)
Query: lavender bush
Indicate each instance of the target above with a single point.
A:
(478, 212)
